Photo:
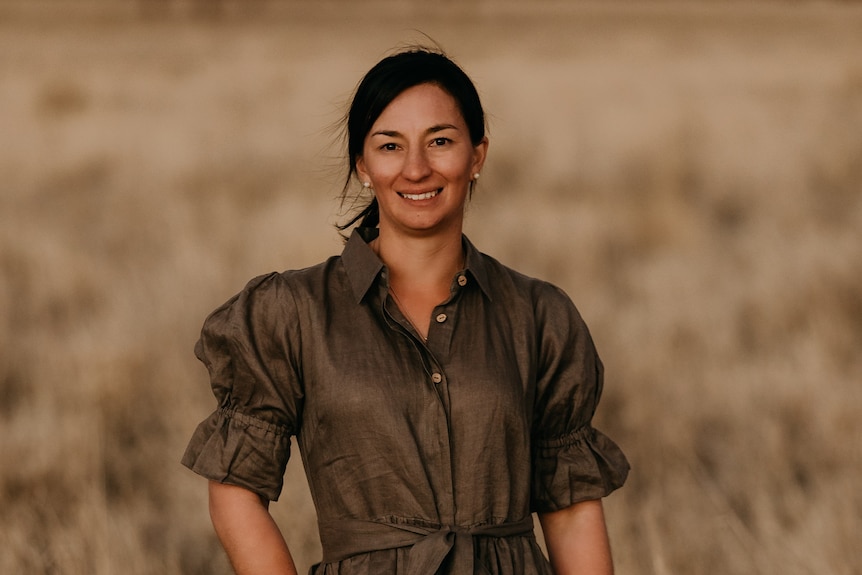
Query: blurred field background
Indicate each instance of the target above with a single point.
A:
(690, 173)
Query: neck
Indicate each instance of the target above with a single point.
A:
(417, 264)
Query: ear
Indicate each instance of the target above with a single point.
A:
(480, 151)
(361, 172)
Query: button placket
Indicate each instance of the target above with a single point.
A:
(445, 317)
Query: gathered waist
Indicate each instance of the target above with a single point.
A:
(431, 545)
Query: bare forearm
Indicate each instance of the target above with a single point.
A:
(248, 533)
(577, 540)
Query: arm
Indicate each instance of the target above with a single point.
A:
(247, 532)
(577, 539)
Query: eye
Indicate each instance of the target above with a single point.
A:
(440, 141)
(389, 146)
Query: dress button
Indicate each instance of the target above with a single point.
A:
(441, 318)
(462, 280)
(436, 378)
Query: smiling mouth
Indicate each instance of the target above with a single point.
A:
(423, 196)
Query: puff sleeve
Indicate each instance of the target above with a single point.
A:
(572, 461)
(250, 347)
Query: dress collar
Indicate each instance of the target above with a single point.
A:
(363, 266)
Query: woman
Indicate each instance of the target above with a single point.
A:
(437, 396)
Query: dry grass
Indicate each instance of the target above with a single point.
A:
(690, 173)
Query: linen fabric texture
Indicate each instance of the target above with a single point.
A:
(421, 457)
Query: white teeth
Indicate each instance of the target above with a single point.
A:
(425, 196)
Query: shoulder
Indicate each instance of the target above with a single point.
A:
(271, 296)
(291, 282)
(513, 285)
(536, 302)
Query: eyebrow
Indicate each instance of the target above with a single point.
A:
(431, 130)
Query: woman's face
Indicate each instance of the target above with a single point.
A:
(420, 161)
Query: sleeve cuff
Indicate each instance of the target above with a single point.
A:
(584, 464)
(239, 449)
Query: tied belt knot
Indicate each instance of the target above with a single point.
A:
(430, 545)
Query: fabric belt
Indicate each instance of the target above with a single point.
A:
(430, 545)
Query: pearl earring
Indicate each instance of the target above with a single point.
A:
(476, 176)
(366, 185)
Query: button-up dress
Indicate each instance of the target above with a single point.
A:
(422, 457)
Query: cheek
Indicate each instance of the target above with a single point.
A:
(378, 176)
(461, 169)
(381, 168)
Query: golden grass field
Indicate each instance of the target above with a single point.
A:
(690, 173)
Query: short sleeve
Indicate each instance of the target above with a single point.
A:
(249, 346)
(572, 461)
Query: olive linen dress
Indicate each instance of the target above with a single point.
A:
(421, 457)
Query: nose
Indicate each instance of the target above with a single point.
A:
(416, 166)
